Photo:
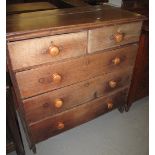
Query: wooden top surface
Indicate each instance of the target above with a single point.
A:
(76, 3)
(50, 22)
(28, 7)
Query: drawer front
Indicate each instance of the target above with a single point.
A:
(48, 104)
(50, 77)
(37, 51)
(112, 36)
(76, 116)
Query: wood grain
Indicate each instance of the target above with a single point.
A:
(76, 116)
(39, 24)
(32, 52)
(39, 107)
(88, 81)
(102, 38)
(28, 7)
(39, 80)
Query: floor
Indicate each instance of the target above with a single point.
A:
(110, 134)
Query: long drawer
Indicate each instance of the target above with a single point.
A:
(48, 104)
(27, 53)
(112, 36)
(54, 76)
(76, 116)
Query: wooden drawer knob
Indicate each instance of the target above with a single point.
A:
(118, 37)
(110, 105)
(53, 50)
(60, 125)
(116, 61)
(56, 78)
(58, 103)
(112, 84)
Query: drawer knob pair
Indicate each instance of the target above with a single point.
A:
(112, 84)
(58, 103)
(60, 125)
(53, 50)
(56, 78)
(110, 105)
(118, 37)
(116, 61)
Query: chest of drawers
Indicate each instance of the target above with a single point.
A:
(70, 66)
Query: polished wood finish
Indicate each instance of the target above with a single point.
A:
(116, 61)
(60, 125)
(118, 37)
(28, 7)
(56, 78)
(112, 84)
(81, 114)
(39, 80)
(58, 103)
(53, 50)
(70, 45)
(106, 37)
(45, 105)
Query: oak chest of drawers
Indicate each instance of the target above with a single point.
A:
(70, 66)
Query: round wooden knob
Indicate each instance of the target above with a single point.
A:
(58, 103)
(118, 37)
(116, 61)
(56, 78)
(60, 125)
(53, 50)
(112, 84)
(110, 105)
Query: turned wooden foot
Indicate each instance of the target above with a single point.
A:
(34, 149)
(121, 109)
(126, 107)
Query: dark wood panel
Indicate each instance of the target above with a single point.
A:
(140, 81)
(76, 116)
(48, 104)
(42, 79)
(13, 124)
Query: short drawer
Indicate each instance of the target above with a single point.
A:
(48, 104)
(27, 53)
(50, 77)
(54, 125)
(112, 36)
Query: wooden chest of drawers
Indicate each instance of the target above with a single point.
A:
(71, 67)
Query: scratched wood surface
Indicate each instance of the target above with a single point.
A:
(30, 25)
(39, 80)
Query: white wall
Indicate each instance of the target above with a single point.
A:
(115, 2)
